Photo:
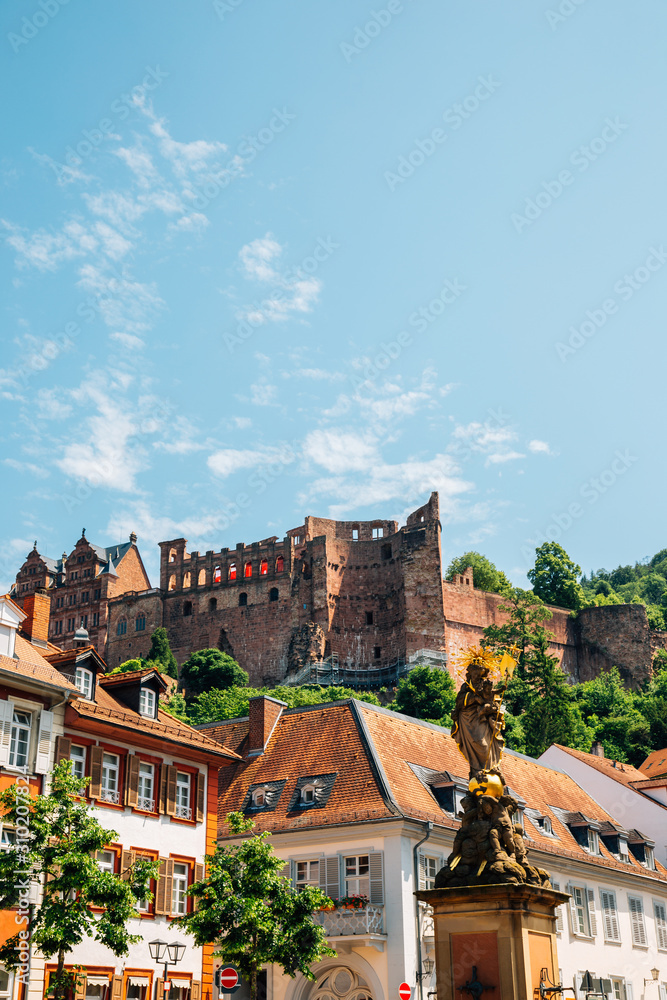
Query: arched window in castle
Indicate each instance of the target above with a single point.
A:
(232, 571)
(280, 564)
(247, 570)
(263, 567)
(378, 532)
(213, 604)
(172, 555)
(172, 582)
(273, 594)
(243, 600)
(140, 623)
(121, 628)
(187, 580)
(201, 579)
(355, 534)
(187, 609)
(216, 574)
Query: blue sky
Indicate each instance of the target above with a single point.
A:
(270, 259)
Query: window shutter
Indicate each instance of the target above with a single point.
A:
(376, 871)
(163, 789)
(127, 859)
(609, 915)
(44, 742)
(159, 989)
(572, 910)
(80, 986)
(199, 873)
(164, 886)
(170, 792)
(422, 871)
(637, 920)
(63, 748)
(628, 990)
(559, 912)
(195, 993)
(201, 797)
(132, 783)
(330, 876)
(95, 786)
(6, 716)
(592, 922)
(116, 987)
(286, 869)
(660, 911)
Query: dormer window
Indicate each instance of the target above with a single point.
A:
(83, 679)
(147, 703)
(593, 843)
(308, 795)
(259, 798)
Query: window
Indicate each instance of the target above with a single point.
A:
(110, 774)
(428, 871)
(618, 986)
(183, 809)
(231, 575)
(377, 652)
(187, 580)
(357, 877)
(308, 794)
(121, 628)
(6, 985)
(96, 618)
(243, 600)
(263, 567)
(78, 757)
(609, 915)
(147, 702)
(593, 845)
(20, 739)
(58, 627)
(145, 798)
(106, 860)
(259, 798)
(140, 624)
(273, 594)
(71, 624)
(660, 913)
(378, 532)
(355, 534)
(636, 906)
(247, 570)
(179, 901)
(84, 621)
(280, 564)
(97, 594)
(187, 609)
(83, 679)
(172, 582)
(7, 838)
(307, 873)
(85, 597)
(60, 602)
(369, 617)
(71, 599)
(172, 555)
(579, 910)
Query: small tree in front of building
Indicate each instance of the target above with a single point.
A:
(160, 655)
(57, 839)
(252, 913)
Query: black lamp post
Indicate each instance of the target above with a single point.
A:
(170, 954)
(427, 968)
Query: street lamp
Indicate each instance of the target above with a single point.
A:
(655, 973)
(427, 969)
(174, 953)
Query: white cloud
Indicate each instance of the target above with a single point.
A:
(46, 251)
(340, 451)
(256, 258)
(36, 470)
(129, 341)
(291, 291)
(497, 458)
(50, 405)
(539, 447)
(226, 461)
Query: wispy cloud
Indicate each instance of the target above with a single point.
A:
(289, 291)
(539, 448)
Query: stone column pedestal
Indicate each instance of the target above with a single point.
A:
(508, 932)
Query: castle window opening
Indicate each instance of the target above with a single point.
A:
(121, 628)
(385, 551)
(187, 609)
(297, 539)
(263, 567)
(201, 579)
(377, 652)
(273, 594)
(369, 617)
(216, 574)
(172, 555)
(140, 623)
(280, 564)
(247, 570)
(378, 532)
(231, 575)
(187, 580)
(355, 534)
(213, 604)
(421, 517)
(172, 582)
(243, 600)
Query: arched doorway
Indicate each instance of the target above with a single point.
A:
(347, 977)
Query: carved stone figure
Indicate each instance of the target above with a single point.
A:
(478, 720)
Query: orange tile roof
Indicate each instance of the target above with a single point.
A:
(31, 663)
(625, 774)
(113, 680)
(655, 764)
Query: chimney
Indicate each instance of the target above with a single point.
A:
(264, 714)
(37, 607)
(133, 537)
(597, 749)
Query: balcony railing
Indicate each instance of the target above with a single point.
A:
(183, 812)
(340, 923)
(109, 795)
(143, 802)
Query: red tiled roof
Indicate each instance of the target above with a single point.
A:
(114, 680)
(655, 764)
(39, 671)
(626, 774)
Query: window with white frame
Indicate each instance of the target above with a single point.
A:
(660, 914)
(106, 860)
(593, 843)
(378, 532)
(183, 808)
(308, 794)
(618, 987)
(110, 778)
(579, 911)
(78, 757)
(259, 798)
(7, 837)
(179, 900)
(20, 739)
(357, 875)
(609, 915)
(6, 984)
(83, 680)
(307, 873)
(147, 702)
(428, 871)
(637, 923)
(145, 798)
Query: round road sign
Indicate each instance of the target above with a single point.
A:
(405, 991)
(229, 979)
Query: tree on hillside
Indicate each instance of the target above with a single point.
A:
(160, 655)
(555, 578)
(485, 576)
(426, 693)
(232, 703)
(130, 665)
(211, 668)
(57, 837)
(253, 913)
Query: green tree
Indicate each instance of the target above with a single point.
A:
(57, 838)
(216, 705)
(211, 668)
(485, 576)
(130, 665)
(426, 693)
(177, 706)
(252, 913)
(555, 577)
(160, 654)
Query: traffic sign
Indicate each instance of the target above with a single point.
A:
(228, 979)
(405, 991)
